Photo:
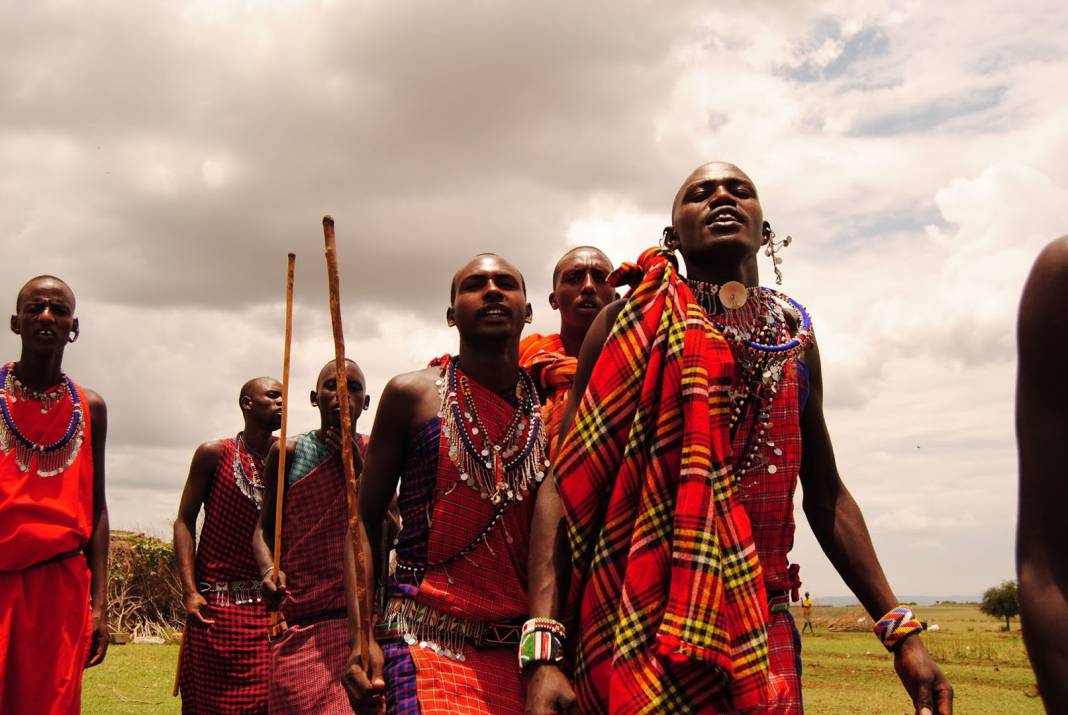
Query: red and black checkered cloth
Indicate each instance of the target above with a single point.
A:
(224, 666)
(666, 582)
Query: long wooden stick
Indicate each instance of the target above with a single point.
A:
(351, 493)
(178, 671)
(280, 485)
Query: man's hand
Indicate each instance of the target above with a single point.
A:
(549, 691)
(366, 695)
(196, 607)
(271, 592)
(98, 646)
(923, 679)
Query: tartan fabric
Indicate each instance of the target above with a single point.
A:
(314, 529)
(440, 515)
(307, 664)
(666, 582)
(42, 517)
(769, 498)
(224, 666)
(784, 651)
(554, 372)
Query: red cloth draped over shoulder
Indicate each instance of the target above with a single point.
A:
(554, 372)
(43, 517)
(666, 583)
(314, 528)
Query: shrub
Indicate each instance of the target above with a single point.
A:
(144, 594)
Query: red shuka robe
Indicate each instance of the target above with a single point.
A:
(44, 579)
(554, 372)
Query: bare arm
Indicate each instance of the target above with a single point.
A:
(550, 561)
(197, 486)
(97, 550)
(1041, 425)
(839, 527)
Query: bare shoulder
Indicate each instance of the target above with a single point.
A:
(1043, 316)
(213, 448)
(95, 402)
(1053, 260)
(411, 387)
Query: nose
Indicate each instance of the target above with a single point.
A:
(720, 194)
(588, 285)
(492, 293)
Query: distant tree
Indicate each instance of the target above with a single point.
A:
(1001, 602)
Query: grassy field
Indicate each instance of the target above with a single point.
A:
(844, 672)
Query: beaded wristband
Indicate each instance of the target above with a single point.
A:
(542, 641)
(897, 625)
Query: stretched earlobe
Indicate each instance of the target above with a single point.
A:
(668, 239)
(450, 317)
(529, 314)
(552, 301)
(14, 325)
(314, 398)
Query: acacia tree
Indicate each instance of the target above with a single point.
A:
(1001, 602)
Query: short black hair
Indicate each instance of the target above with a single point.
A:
(42, 277)
(452, 285)
(556, 269)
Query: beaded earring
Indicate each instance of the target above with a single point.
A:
(773, 245)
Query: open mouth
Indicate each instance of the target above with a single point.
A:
(588, 306)
(494, 311)
(725, 216)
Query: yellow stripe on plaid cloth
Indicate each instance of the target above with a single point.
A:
(666, 582)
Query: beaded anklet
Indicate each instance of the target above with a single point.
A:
(897, 625)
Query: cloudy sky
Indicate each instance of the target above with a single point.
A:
(163, 157)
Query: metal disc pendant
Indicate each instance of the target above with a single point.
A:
(733, 295)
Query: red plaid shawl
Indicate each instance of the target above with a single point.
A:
(666, 582)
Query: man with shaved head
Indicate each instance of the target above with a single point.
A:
(465, 441)
(308, 659)
(580, 290)
(53, 514)
(225, 658)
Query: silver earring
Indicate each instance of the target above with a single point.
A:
(774, 245)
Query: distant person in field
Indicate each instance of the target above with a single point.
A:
(307, 660)
(464, 440)
(225, 656)
(53, 514)
(697, 410)
(1041, 428)
(806, 611)
(580, 290)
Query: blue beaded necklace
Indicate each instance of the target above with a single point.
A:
(53, 458)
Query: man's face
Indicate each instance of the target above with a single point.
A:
(263, 403)
(490, 301)
(717, 208)
(44, 315)
(581, 289)
(325, 395)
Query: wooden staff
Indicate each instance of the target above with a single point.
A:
(178, 669)
(351, 492)
(280, 487)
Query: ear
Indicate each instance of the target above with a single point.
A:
(75, 326)
(529, 314)
(15, 324)
(450, 317)
(314, 398)
(366, 402)
(246, 403)
(670, 239)
(765, 233)
(552, 301)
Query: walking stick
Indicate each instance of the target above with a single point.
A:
(351, 491)
(280, 486)
(178, 669)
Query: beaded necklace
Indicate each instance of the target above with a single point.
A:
(53, 458)
(753, 321)
(246, 464)
(500, 471)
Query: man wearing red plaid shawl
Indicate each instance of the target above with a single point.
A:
(307, 661)
(224, 655)
(580, 291)
(446, 638)
(670, 603)
(53, 514)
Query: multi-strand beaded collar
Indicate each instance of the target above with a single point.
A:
(52, 458)
(501, 471)
(248, 471)
(754, 322)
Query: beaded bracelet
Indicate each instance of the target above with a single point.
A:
(897, 625)
(541, 641)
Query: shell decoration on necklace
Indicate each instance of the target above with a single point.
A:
(51, 458)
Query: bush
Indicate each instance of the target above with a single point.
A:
(144, 593)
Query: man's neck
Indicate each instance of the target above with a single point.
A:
(495, 366)
(744, 272)
(39, 371)
(257, 438)
(572, 336)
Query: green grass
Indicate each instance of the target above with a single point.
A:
(844, 673)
